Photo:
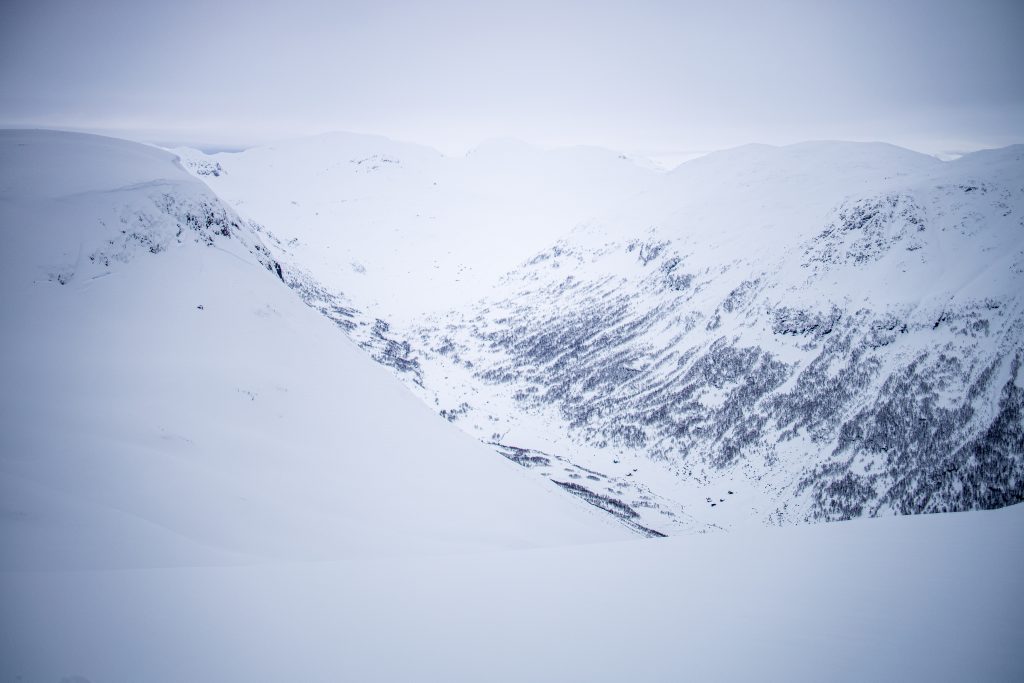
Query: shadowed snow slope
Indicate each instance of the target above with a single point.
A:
(167, 401)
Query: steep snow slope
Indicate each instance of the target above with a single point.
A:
(820, 331)
(401, 229)
(926, 598)
(167, 401)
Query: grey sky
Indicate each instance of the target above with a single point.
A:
(641, 76)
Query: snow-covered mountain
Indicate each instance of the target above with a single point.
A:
(203, 478)
(820, 331)
(168, 401)
(400, 229)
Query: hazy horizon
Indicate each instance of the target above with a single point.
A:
(653, 79)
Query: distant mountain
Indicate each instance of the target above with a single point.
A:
(401, 229)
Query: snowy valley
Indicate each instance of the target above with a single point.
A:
(343, 408)
(761, 336)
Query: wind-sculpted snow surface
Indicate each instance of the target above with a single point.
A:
(837, 327)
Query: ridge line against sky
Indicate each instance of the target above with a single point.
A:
(654, 79)
(661, 160)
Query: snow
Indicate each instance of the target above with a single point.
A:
(930, 598)
(204, 479)
(771, 220)
(402, 229)
(143, 430)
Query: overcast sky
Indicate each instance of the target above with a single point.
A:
(653, 77)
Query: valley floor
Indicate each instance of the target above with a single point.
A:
(926, 598)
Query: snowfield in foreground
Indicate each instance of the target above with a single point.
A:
(923, 598)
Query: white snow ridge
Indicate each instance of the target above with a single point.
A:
(347, 409)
